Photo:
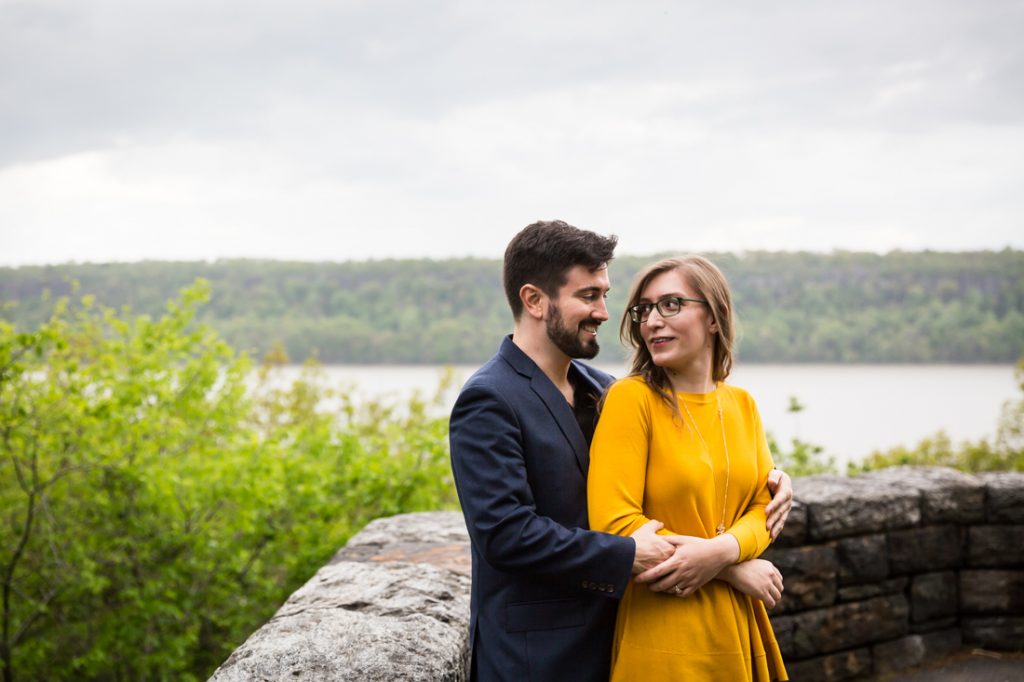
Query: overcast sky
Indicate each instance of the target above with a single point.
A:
(340, 129)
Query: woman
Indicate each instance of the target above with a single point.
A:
(676, 444)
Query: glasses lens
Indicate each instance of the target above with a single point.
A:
(669, 306)
(640, 312)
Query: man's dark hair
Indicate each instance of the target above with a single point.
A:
(543, 253)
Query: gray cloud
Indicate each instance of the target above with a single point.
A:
(774, 125)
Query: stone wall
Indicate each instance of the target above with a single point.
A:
(882, 572)
(897, 567)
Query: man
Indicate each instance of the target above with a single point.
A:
(545, 588)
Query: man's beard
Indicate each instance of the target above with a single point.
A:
(568, 340)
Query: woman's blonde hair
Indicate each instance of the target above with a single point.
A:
(708, 283)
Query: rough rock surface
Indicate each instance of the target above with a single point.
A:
(847, 625)
(863, 559)
(897, 654)
(392, 605)
(867, 591)
(995, 546)
(933, 596)
(992, 592)
(1005, 633)
(930, 548)
(810, 576)
(947, 495)
(1004, 501)
(838, 506)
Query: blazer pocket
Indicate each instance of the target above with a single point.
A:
(544, 615)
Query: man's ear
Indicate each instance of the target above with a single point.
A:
(534, 301)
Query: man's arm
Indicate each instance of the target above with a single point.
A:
(490, 475)
(780, 485)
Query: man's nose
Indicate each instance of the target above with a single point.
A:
(601, 312)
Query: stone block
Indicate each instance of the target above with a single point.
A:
(1003, 633)
(838, 506)
(846, 626)
(392, 605)
(845, 665)
(392, 621)
(947, 495)
(862, 592)
(933, 596)
(995, 546)
(932, 548)
(991, 592)
(863, 559)
(898, 654)
(1004, 501)
(809, 576)
(794, 533)
(942, 643)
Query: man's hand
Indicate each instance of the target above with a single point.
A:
(757, 578)
(651, 548)
(694, 562)
(780, 485)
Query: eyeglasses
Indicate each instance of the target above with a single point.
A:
(667, 307)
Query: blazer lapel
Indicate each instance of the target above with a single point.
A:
(557, 406)
(564, 417)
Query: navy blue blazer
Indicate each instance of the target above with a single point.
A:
(545, 587)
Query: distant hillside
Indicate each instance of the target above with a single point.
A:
(793, 307)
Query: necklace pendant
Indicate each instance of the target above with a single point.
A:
(720, 529)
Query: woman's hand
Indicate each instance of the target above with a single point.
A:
(757, 578)
(694, 562)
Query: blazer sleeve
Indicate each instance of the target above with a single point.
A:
(490, 474)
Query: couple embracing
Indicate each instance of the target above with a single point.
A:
(615, 527)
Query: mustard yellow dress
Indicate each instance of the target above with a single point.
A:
(646, 464)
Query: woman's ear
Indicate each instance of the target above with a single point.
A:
(533, 301)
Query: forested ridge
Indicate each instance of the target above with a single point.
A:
(793, 307)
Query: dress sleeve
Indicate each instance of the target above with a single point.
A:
(750, 528)
(618, 460)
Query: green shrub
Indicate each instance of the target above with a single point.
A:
(155, 507)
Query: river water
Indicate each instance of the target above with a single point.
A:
(849, 409)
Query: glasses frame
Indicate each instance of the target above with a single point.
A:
(641, 312)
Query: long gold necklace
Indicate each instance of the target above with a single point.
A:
(725, 444)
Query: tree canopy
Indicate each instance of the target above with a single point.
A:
(793, 307)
